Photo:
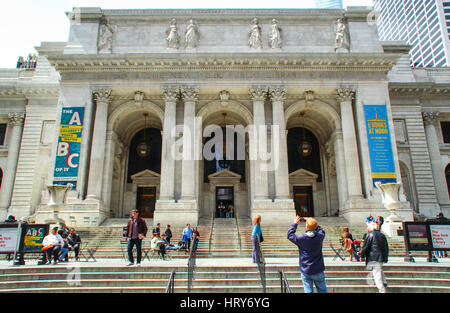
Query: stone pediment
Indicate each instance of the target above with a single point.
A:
(145, 174)
(224, 174)
(305, 174)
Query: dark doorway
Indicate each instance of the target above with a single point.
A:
(146, 199)
(224, 199)
(304, 205)
(152, 160)
(296, 160)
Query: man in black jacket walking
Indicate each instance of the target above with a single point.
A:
(376, 252)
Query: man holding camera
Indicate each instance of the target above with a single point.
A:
(312, 266)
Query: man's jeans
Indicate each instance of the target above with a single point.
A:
(131, 243)
(317, 279)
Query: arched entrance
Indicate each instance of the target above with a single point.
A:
(135, 177)
(311, 134)
(225, 174)
(304, 168)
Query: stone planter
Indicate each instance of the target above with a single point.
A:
(391, 201)
(57, 200)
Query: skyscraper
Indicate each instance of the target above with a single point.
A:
(329, 4)
(422, 24)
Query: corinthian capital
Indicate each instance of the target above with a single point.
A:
(16, 119)
(103, 95)
(277, 93)
(258, 93)
(430, 118)
(171, 93)
(345, 94)
(189, 93)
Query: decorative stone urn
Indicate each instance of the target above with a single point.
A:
(391, 200)
(57, 199)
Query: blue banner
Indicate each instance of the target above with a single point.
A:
(380, 146)
(69, 145)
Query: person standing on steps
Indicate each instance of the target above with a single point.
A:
(376, 251)
(256, 233)
(312, 266)
(136, 231)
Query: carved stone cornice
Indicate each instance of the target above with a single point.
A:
(103, 95)
(204, 62)
(171, 93)
(259, 93)
(413, 91)
(277, 93)
(345, 94)
(16, 119)
(430, 118)
(189, 93)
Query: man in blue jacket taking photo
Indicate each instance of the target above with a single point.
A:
(312, 266)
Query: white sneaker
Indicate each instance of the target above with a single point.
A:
(139, 264)
(130, 264)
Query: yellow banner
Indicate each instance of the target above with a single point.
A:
(383, 175)
(70, 133)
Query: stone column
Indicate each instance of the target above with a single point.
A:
(341, 174)
(111, 138)
(103, 99)
(345, 97)
(190, 96)
(261, 183)
(15, 128)
(167, 183)
(430, 120)
(278, 95)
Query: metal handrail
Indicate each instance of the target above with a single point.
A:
(171, 283)
(211, 231)
(238, 229)
(191, 263)
(285, 288)
(261, 265)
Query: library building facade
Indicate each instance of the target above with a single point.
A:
(180, 113)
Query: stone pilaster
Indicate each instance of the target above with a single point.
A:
(103, 99)
(345, 97)
(190, 96)
(430, 120)
(261, 183)
(111, 138)
(167, 189)
(341, 174)
(15, 125)
(278, 95)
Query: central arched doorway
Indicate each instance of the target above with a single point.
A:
(225, 175)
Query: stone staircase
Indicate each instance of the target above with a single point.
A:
(105, 239)
(224, 239)
(341, 278)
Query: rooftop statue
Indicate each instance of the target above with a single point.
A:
(255, 35)
(173, 39)
(192, 35)
(275, 41)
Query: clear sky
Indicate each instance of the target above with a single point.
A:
(24, 24)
